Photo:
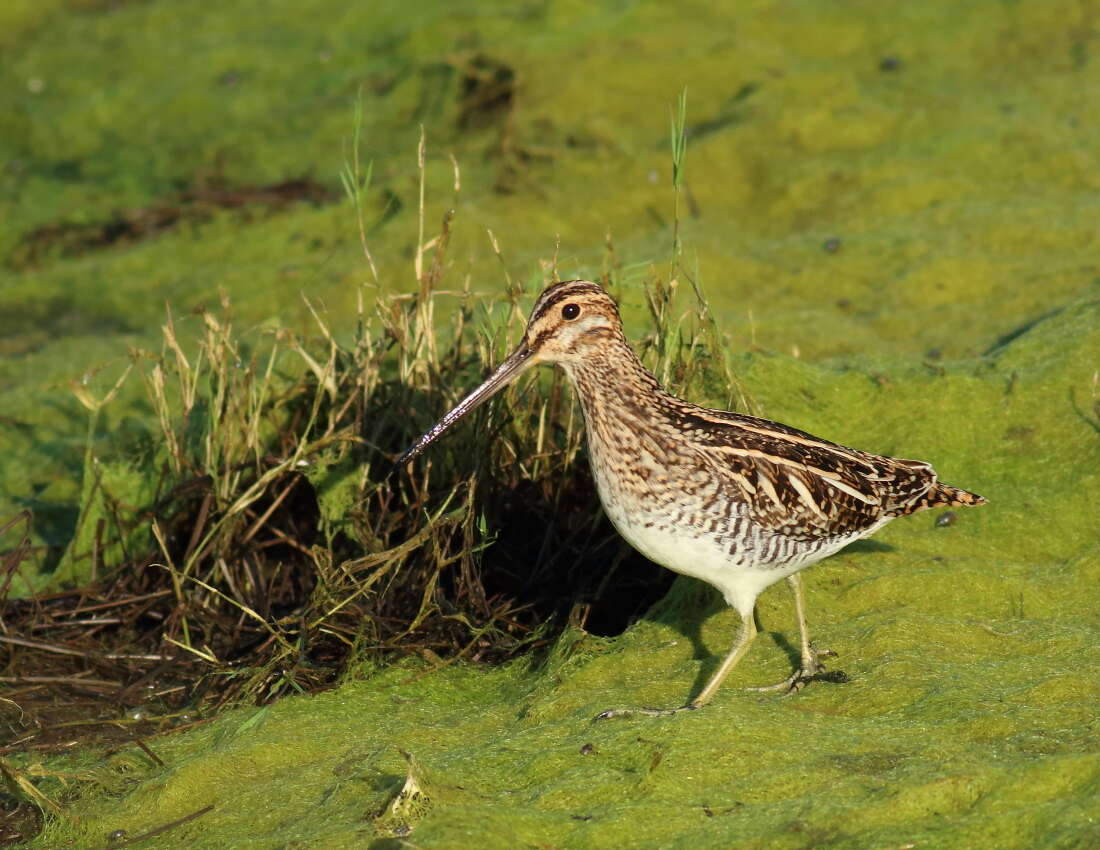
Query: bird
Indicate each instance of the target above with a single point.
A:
(736, 501)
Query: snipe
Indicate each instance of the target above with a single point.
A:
(736, 501)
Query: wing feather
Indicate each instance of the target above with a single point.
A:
(799, 485)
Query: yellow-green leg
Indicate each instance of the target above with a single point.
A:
(740, 647)
(810, 664)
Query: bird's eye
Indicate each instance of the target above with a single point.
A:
(570, 312)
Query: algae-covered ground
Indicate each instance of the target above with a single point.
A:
(893, 209)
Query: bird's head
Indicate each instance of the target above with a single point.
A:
(568, 322)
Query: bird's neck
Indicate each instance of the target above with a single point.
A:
(615, 385)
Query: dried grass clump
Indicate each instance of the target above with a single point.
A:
(261, 542)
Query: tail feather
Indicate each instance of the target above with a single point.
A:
(944, 494)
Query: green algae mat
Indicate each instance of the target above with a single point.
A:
(892, 209)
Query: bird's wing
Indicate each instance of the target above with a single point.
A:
(801, 486)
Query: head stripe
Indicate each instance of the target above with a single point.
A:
(559, 292)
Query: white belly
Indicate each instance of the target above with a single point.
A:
(700, 556)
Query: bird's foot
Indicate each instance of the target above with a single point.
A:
(811, 669)
(645, 712)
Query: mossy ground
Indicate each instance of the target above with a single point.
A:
(947, 148)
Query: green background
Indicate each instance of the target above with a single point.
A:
(951, 149)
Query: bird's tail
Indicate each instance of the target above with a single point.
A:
(944, 494)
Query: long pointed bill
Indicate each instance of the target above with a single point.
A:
(516, 363)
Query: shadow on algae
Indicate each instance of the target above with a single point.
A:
(963, 178)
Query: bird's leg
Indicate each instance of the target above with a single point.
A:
(740, 647)
(810, 665)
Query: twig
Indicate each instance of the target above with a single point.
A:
(46, 647)
(138, 838)
(60, 680)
